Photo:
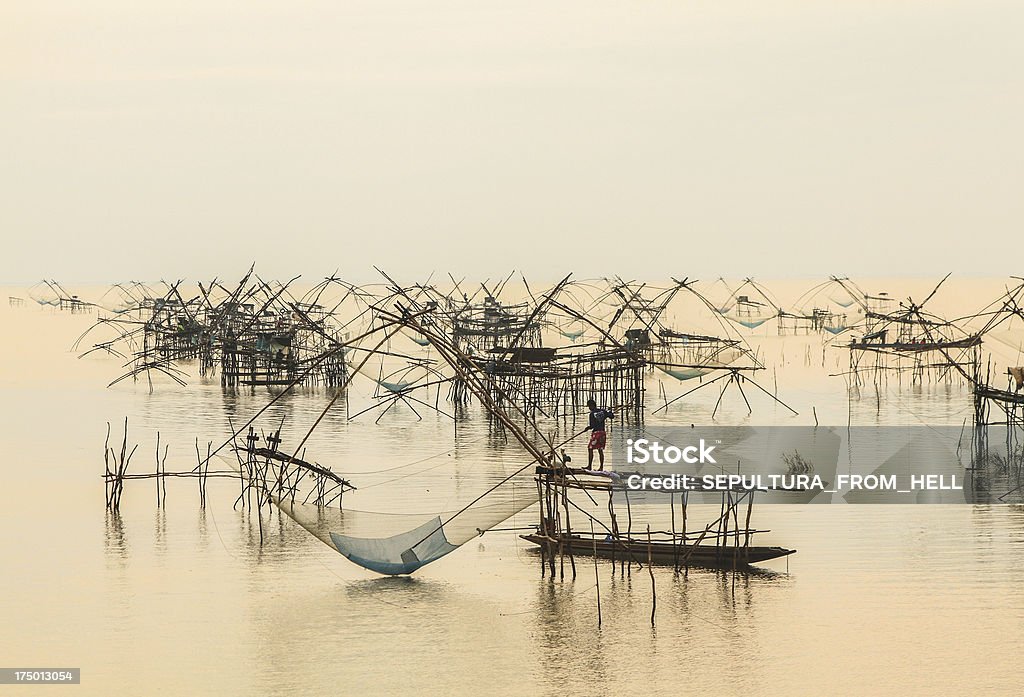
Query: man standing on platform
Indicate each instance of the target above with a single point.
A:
(598, 435)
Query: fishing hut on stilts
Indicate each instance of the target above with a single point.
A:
(912, 340)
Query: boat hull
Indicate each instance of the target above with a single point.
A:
(664, 553)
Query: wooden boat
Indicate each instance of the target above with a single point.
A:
(867, 344)
(663, 553)
(998, 395)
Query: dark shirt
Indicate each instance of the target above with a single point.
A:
(597, 419)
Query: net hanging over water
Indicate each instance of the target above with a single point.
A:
(398, 554)
(401, 543)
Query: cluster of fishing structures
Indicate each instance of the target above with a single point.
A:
(531, 359)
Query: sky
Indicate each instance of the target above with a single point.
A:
(649, 139)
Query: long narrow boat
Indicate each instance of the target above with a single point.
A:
(709, 556)
(866, 344)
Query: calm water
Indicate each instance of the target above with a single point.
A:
(877, 600)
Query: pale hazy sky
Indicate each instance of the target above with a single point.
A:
(147, 140)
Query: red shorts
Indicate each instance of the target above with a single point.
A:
(597, 439)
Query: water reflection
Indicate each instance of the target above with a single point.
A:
(115, 541)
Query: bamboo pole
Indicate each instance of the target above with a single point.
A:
(597, 576)
(650, 570)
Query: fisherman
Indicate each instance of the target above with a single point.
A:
(597, 436)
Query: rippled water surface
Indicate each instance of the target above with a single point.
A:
(180, 600)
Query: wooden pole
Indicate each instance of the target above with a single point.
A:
(650, 570)
(597, 576)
